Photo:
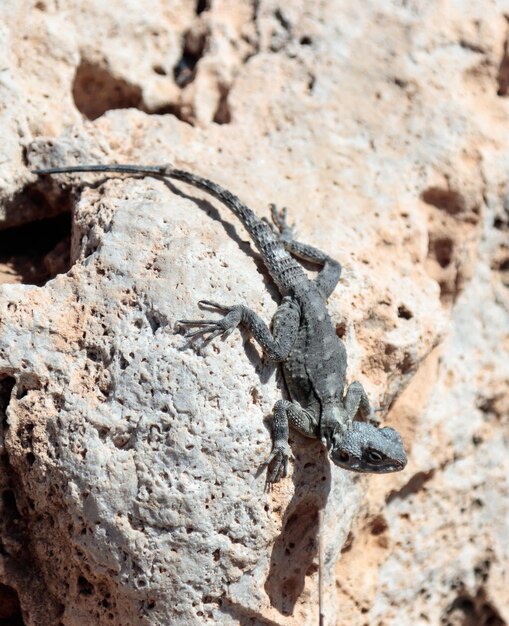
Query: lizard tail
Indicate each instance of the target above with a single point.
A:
(283, 268)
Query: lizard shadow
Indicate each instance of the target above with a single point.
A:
(214, 214)
(244, 245)
(294, 556)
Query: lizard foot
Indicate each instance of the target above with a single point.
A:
(224, 326)
(279, 219)
(279, 457)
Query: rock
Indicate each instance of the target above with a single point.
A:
(133, 490)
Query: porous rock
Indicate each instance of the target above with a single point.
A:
(133, 490)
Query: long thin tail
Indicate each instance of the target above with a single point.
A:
(285, 271)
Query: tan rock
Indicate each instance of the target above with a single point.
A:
(132, 491)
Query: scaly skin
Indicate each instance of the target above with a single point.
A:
(303, 340)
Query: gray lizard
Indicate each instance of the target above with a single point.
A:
(303, 340)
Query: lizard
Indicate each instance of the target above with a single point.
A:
(301, 338)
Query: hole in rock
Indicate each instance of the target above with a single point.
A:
(282, 19)
(503, 72)
(467, 610)
(85, 588)
(482, 570)
(184, 70)
(341, 330)
(155, 321)
(194, 43)
(223, 114)
(34, 253)
(347, 546)
(10, 610)
(501, 222)
(442, 249)
(378, 525)
(406, 363)
(96, 90)
(404, 312)
(6, 386)
(503, 266)
(445, 199)
(201, 5)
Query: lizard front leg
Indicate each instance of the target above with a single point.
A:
(275, 345)
(286, 413)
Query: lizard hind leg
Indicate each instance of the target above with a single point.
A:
(330, 272)
(357, 401)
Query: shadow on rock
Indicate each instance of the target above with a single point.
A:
(295, 552)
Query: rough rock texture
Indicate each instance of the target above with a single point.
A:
(132, 491)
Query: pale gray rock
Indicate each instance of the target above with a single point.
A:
(132, 491)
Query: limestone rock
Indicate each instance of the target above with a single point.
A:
(132, 485)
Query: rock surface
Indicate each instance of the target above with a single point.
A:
(132, 491)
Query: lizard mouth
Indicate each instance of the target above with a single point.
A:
(345, 461)
(394, 466)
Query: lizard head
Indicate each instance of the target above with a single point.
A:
(365, 448)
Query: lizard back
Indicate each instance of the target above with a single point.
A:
(315, 369)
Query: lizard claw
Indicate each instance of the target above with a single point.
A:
(216, 305)
(279, 457)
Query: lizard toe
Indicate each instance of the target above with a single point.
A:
(278, 457)
(271, 226)
(216, 305)
(213, 328)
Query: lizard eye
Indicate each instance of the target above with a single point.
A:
(343, 456)
(374, 456)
